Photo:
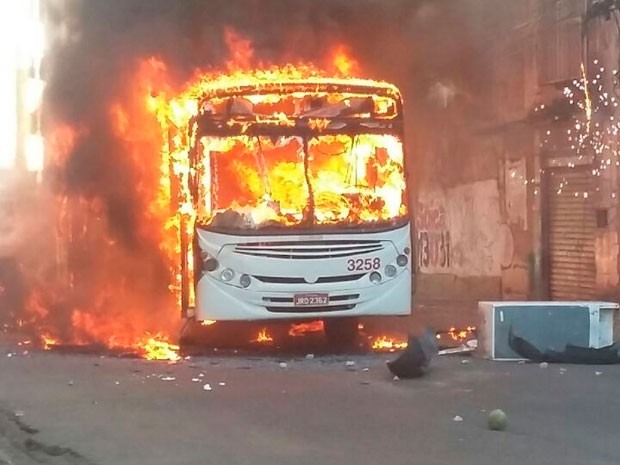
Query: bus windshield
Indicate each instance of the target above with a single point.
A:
(248, 183)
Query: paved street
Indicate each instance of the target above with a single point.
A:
(78, 409)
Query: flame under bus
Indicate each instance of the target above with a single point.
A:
(300, 196)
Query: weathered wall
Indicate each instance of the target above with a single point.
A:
(458, 230)
(459, 242)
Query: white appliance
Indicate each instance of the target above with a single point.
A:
(547, 325)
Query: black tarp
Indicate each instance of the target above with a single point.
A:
(607, 355)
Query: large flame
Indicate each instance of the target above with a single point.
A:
(357, 179)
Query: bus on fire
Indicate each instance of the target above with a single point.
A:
(299, 194)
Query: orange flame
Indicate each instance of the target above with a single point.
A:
(154, 116)
(263, 337)
(458, 334)
(343, 62)
(301, 329)
(48, 342)
(385, 343)
(158, 348)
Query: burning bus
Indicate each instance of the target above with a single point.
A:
(294, 202)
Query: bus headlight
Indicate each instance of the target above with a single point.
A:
(245, 280)
(402, 260)
(210, 264)
(375, 277)
(227, 274)
(390, 271)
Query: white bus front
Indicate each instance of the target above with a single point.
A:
(301, 205)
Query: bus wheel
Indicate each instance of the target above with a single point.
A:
(341, 333)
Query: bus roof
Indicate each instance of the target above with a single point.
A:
(253, 85)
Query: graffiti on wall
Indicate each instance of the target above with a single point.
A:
(458, 230)
(433, 234)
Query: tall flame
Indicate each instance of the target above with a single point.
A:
(149, 119)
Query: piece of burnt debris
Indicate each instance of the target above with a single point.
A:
(414, 361)
(607, 355)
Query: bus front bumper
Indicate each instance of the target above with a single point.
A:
(228, 302)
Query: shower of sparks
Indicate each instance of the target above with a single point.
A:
(594, 128)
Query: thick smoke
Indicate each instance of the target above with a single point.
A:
(113, 262)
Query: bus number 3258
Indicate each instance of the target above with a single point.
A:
(363, 264)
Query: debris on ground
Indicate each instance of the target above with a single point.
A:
(497, 420)
(207, 387)
(283, 365)
(414, 361)
(457, 350)
(457, 418)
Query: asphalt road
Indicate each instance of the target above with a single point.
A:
(85, 409)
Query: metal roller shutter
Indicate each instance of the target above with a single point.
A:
(571, 231)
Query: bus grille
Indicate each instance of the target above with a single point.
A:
(304, 250)
(298, 280)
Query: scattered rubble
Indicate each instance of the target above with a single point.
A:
(497, 420)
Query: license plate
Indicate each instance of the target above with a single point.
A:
(310, 300)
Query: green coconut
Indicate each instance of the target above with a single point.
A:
(497, 420)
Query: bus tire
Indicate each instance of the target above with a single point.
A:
(341, 333)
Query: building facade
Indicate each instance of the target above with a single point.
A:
(517, 194)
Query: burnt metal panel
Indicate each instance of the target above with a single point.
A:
(571, 226)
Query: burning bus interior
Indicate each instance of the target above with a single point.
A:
(300, 158)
